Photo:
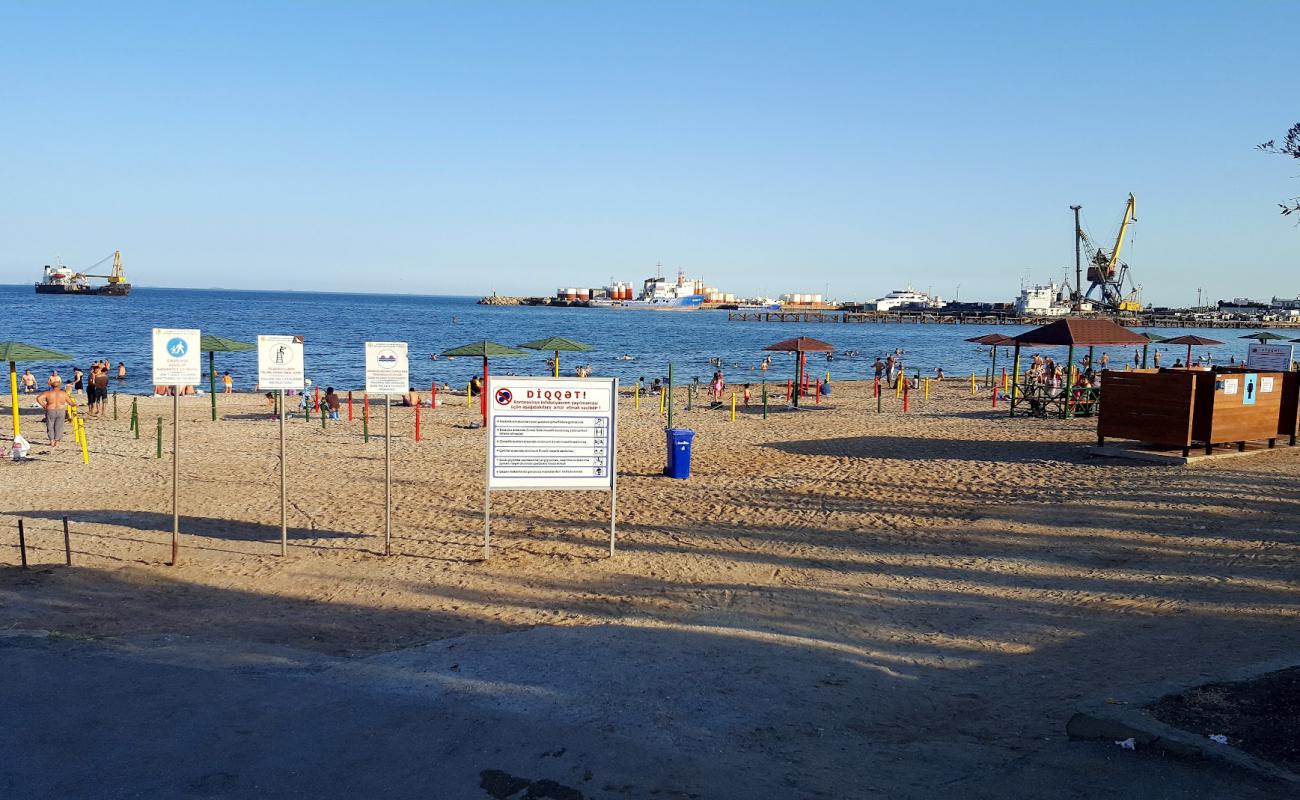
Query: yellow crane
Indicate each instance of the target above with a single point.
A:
(1107, 273)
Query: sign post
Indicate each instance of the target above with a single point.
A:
(551, 433)
(387, 373)
(177, 363)
(280, 367)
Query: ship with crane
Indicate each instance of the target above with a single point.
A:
(62, 280)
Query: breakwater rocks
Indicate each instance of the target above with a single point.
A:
(500, 300)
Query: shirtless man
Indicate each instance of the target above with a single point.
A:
(100, 379)
(55, 402)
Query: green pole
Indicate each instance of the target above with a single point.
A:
(322, 416)
(159, 452)
(212, 382)
(1144, 355)
(764, 399)
(1069, 382)
(365, 428)
(135, 419)
(670, 394)
(306, 409)
(114, 405)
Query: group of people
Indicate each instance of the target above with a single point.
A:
(1045, 381)
(892, 369)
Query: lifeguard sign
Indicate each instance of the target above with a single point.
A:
(551, 433)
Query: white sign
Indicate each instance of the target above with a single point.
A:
(551, 433)
(1269, 357)
(177, 360)
(1265, 385)
(1229, 385)
(387, 368)
(280, 362)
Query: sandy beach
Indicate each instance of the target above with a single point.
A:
(910, 604)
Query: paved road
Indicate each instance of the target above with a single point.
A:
(565, 713)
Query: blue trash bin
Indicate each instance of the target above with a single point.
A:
(679, 453)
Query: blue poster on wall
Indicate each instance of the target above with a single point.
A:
(1251, 387)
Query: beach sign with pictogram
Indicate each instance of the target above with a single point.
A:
(387, 368)
(280, 362)
(177, 359)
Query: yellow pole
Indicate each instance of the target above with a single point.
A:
(898, 387)
(1016, 378)
(556, 363)
(468, 392)
(663, 400)
(636, 397)
(13, 392)
(972, 384)
(733, 406)
(927, 389)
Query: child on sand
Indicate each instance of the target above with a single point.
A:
(747, 395)
(227, 383)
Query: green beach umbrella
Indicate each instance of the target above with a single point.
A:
(556, 344)
(219, 344)
(1264, 337)
(485, 350)
(13, 352)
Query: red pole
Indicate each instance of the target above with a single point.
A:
(482, 395)
(315, 400)
(349, 406)
(995, 397)
(1004, 377)
(433, 395)
(906, 385)
(818, 399)
(789, 385)
(417, 423)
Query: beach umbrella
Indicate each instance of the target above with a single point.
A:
(1073, 332)
(218, 344)
(13, 352)
(994, 340)
(799, 346)
(1152, 338)
(485, 350)
(1264, 337)
(1192, 340)
(556, 344)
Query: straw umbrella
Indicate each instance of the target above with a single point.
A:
(1264, 337)
(484, 349)
(1192, 340)
(994, 340)
(13, 352)
(556, 344)
(799, 346)
(218, 344)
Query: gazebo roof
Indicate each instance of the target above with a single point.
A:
(1192, 339)
(992, 338)
(1081, 331)
(802, 344)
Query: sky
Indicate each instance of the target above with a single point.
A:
(843, 148)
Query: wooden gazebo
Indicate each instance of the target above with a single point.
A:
(1070, 332)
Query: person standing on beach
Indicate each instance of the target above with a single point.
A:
(227, 383)
(55, 402)
(332, 402)
(78, 383)
(100, 379)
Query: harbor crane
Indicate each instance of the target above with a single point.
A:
(1107, 275)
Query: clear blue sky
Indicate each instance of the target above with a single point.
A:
(522, 146)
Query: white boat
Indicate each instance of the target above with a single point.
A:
(908, 297)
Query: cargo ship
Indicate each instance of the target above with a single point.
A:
(62, 280)
(657, 295)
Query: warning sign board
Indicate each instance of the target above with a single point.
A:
(280, 362)
(551, 433)
(177, 359)
(387, 369)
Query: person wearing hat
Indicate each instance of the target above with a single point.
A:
(55, 402)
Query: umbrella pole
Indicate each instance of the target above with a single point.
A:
(993, 371)
(1015, 378)
(212, 382)
(1144, 355)
(482, 395)
(556, 363)
(798, 376)
(1188, 362)
(1067, 410)
(13, 392)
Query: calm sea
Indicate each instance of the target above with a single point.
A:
(336, 325)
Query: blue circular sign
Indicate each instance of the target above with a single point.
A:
(177, 347)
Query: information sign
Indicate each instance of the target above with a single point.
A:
(280, 363)
(1269, 357)
(387, 369)
(551, 433)
(177, 359)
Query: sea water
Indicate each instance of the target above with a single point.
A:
(628, 344)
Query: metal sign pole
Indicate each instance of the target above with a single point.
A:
(388, 483)
(613, 464)
(284, 513)
(176, 474)
(487, 522)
